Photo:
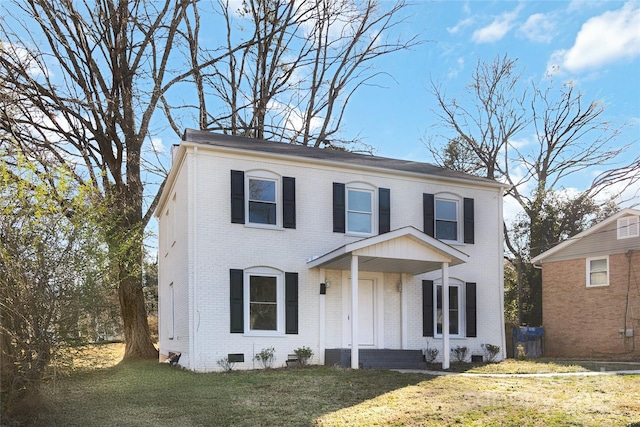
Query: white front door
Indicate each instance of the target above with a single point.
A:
(366, 312)
(370, 310)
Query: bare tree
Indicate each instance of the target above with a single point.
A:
(87, 78)
(294, 83)
(571, 134)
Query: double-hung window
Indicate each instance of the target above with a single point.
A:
(446, 214)
(262, 201)
(455, 314)
(264, 300)
(598, 271)
(263, 303)
(359, 211)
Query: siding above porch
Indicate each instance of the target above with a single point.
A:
(405, 250)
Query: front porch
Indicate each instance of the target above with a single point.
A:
(405, 251)
(376, 358)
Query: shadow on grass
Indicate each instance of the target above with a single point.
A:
(147, 393)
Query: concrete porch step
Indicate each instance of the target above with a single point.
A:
(376, 358)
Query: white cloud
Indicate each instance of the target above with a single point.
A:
(157, 145)
(495, 31)
(608, 38)
(538, 28)
(454, 71)
(460, 25)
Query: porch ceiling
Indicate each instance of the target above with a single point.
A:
(405, 250)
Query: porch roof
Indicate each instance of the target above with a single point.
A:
(405, 250)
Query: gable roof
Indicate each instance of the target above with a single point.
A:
(232, 142)
(593, 230)
(404, 250)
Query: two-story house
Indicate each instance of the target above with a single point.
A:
(264, 244)
(591, 290)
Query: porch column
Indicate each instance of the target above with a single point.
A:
(404, 321)
(323, 321)
(445, 316)
(355, 363)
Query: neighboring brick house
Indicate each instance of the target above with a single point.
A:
(263, 244)
(591, 291)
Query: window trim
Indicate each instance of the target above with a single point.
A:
(629, 224)
(449, 197)
(589, 271)
(280, 301)
(462, 304)
(364, 188)
(263, 175)
(171, 324)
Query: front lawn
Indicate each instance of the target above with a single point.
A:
(152, 394)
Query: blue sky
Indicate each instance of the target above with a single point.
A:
(592, 43)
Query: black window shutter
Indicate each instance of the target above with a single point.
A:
(427, 308)
(288, 202)
(468, 221)
(339, 208)
(236, 301)
(237, 197)
(472, 329)
(291, 302)
(428, 210)
(384, 210)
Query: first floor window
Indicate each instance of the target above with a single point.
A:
(263, 303)
(455, 295)
(598, 271)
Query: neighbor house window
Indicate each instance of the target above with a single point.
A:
(446, 215)
(359, 211)
(455, 313)
(628, 227)
(598, 271)
(262, 201)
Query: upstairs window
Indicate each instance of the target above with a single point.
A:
(446, 219)
(262, 198)
(598, 271)
(262, 201)
(628, 227)
(449, 217)
(359, 211)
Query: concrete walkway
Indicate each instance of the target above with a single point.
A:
(547, 374)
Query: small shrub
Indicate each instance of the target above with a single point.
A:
(460, 353)
(521, 352)
(265, 357)
(430, 354)
(226, 365)
(490, 352)
(303, 354)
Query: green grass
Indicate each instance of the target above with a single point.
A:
(152, 394)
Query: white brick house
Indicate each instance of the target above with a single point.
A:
(264, 244)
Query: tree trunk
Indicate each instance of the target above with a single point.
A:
(126, 240)
(138, 344)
